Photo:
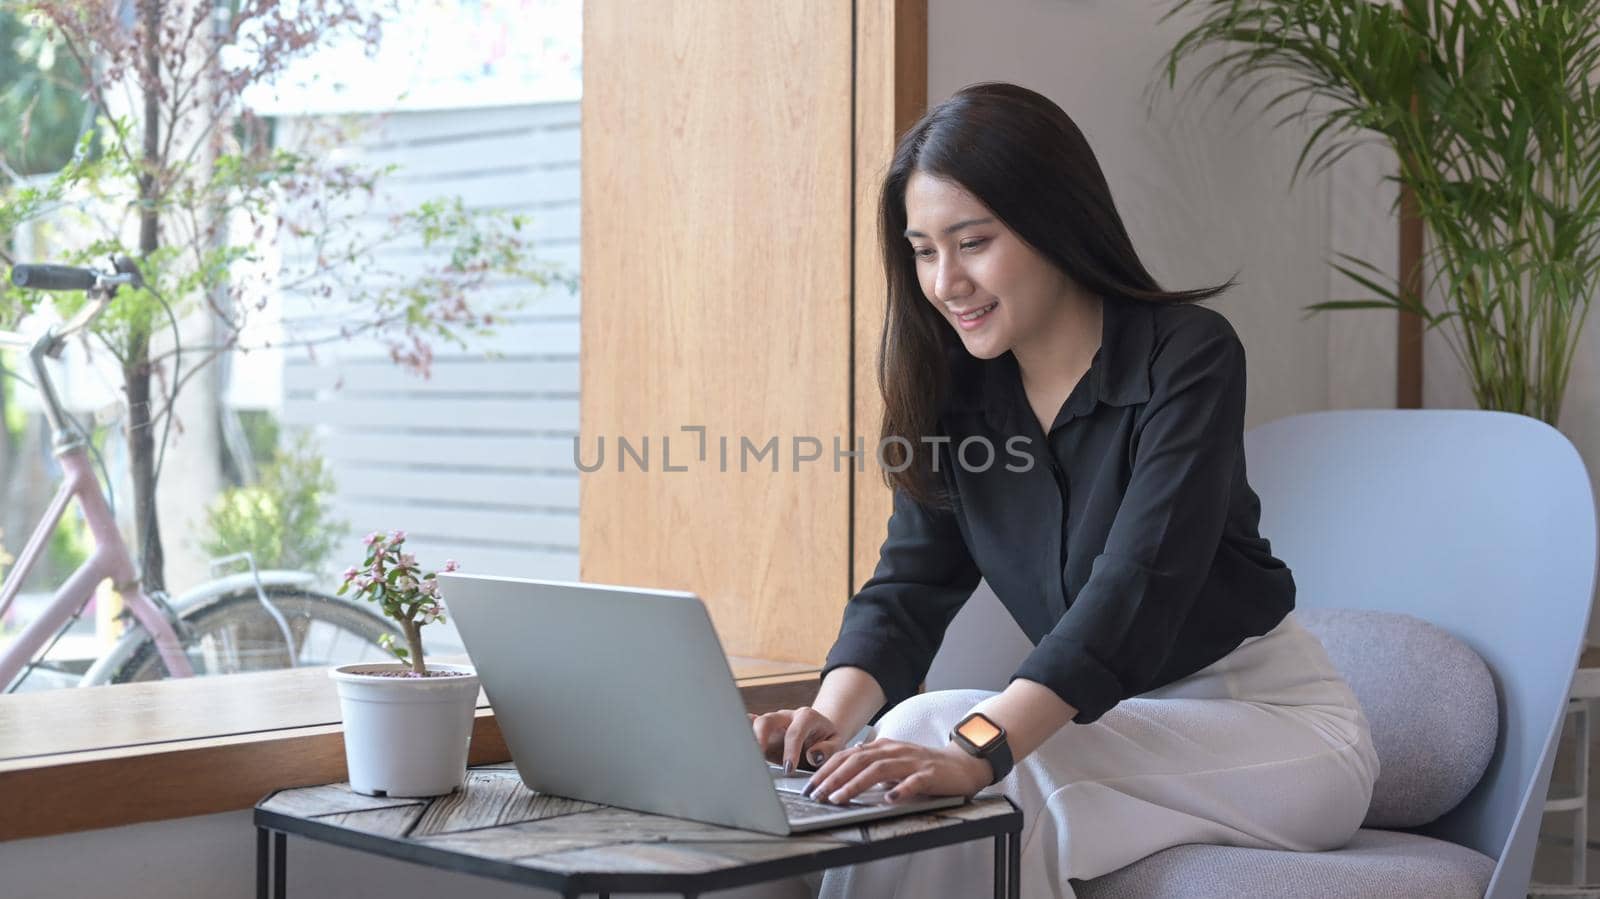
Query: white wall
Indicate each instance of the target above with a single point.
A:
(1202, 190)
(214, 857)
(211, 856)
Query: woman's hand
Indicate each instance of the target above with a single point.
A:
(912, 769)
(789, 735)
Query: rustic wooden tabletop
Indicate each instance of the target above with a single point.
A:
(497, 827)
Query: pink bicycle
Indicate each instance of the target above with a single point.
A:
(260, 620)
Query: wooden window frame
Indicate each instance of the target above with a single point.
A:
(65, 770)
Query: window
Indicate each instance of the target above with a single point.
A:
(331, 384)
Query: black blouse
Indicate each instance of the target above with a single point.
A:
(1129, 552)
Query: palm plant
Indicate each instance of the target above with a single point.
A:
(1490, 108)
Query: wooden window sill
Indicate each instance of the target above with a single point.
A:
(75, 760)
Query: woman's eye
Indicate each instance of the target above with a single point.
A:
(969, 245)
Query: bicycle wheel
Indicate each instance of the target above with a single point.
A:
(234, 633)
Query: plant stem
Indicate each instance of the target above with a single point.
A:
(414, 643)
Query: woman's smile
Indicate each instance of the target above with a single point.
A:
(973, 318)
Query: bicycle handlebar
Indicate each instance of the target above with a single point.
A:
(53, 277)
(100, 286)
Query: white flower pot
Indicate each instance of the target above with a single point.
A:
(406, 736)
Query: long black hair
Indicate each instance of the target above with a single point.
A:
(1025, 159)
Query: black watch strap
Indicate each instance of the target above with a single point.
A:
(1000, 759)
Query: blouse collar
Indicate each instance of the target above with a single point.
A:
(1119, 372)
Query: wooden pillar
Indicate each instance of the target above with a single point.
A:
(723, 150)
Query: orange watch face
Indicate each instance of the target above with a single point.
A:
(979, 731)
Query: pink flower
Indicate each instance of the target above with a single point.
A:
(408, 560)
(430, 587)
(397, 537)
(451, 565)
(372, 538)
(350, 574)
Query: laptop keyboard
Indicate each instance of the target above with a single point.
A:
(799, 808)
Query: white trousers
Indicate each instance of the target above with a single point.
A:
(1266, 748)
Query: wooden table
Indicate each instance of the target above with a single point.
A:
(496, 827)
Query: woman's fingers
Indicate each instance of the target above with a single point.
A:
(845, 765)
(887, 769)
(828, 766)
(907, 789)
(822, 750)
(793, 742)
(806, 728)
(770, 730)
(910, 769)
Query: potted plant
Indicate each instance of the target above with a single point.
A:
(407, 725)
(1494, 118)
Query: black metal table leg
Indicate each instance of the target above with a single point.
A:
(280, 865)
(1014, 890)
(1002, 846)
(261, 863)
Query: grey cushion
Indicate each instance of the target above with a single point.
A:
(1430, 701)
(1377, 864)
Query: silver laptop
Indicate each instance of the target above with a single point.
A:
(623, 696)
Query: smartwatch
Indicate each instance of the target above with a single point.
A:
(978, 735)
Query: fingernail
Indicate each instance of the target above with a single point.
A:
(835, 797)
(891, 796)
(788, 766)
(816, 757)
(806, 790)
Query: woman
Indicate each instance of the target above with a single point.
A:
(1171, 696)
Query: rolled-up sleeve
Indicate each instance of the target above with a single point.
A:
(893, 626)
(1118, 631)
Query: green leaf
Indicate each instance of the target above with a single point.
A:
(1349, 304)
